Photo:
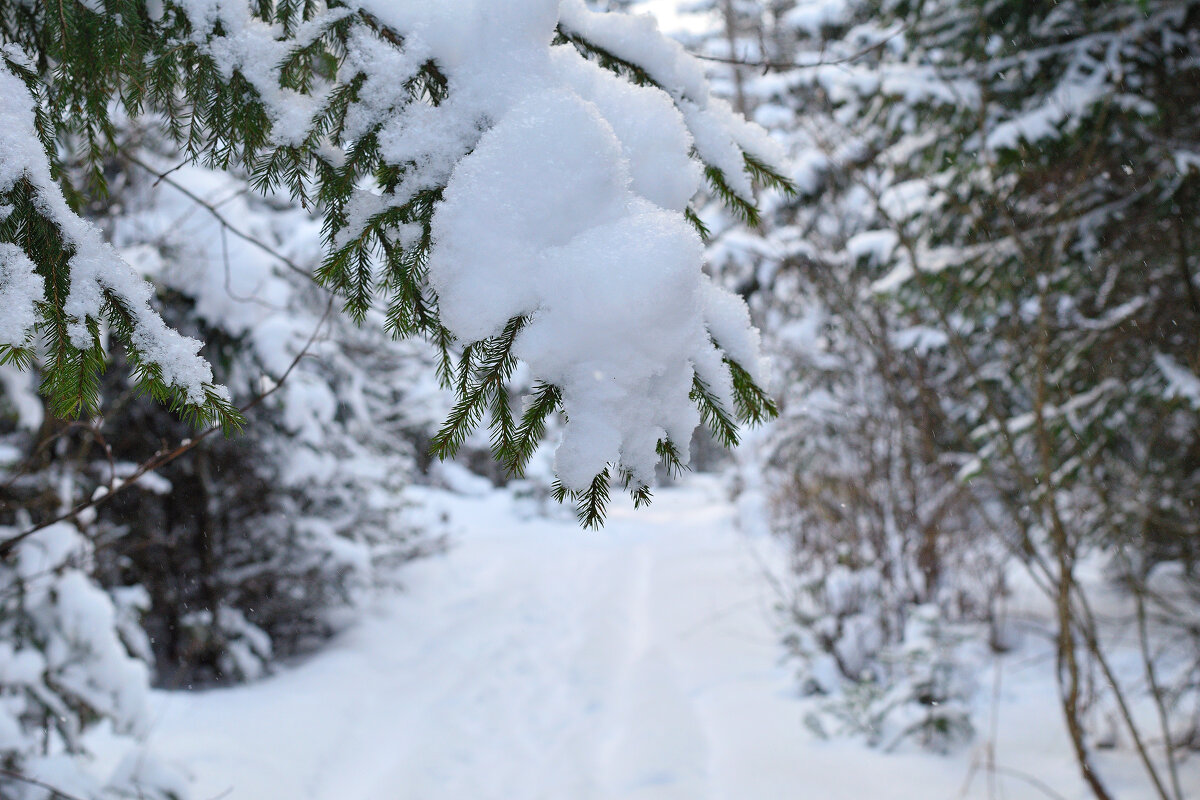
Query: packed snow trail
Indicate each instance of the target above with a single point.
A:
(538, 661)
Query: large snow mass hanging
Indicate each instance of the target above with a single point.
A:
(569, 211)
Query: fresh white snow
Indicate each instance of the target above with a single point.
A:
(535, 660)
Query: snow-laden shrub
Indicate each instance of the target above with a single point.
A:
(884, 537)
(917, 688)
(1002, 212)
(887, 597)
(861, 466)
(257, 547)
(63, 667)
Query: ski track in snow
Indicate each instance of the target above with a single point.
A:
(538, 661)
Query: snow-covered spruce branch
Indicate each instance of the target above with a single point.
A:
(164, 457)
(475, 164)
(59, 278)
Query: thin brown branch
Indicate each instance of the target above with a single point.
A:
(1026, 778)
(767, 65)
(55, 792)
(164, 177)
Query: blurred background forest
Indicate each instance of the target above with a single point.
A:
(983, 309)
(986, 314)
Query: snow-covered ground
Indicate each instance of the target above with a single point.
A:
(536, 660)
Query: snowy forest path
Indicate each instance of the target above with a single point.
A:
(534, 660)
(537, 661)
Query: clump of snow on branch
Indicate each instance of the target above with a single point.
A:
(565, 188)
(720, 135)
(1181, 383)
(566, 192)
(569, 212)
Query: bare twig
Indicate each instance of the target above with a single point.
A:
(175, 168)
(54, 791)
(767, 65)
(1025, 777)
(212, 209)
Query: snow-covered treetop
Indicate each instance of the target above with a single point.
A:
(512, 180)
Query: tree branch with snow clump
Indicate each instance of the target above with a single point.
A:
(511, 180)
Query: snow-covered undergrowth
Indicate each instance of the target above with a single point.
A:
(971, 413)
(247, 551)
(63, 661)
(313, 491)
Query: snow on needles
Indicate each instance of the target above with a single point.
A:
(96, 269)
(20, 289)
(569, 212)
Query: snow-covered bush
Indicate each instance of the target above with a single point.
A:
(62, 662)
(250, 547)
(920, 687)
(997, 245)
(861, 465)
(885, 540)
(63, 665)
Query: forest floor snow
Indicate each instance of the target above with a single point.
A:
(535, 660)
